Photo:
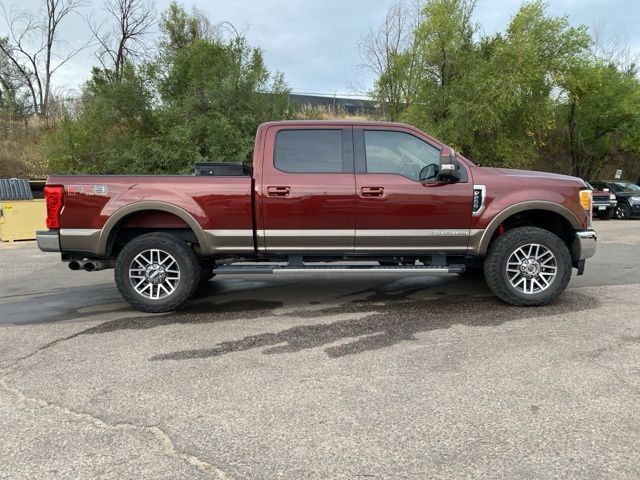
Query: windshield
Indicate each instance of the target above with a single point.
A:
(626, 187)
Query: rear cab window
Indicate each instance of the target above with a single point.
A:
(310, 151)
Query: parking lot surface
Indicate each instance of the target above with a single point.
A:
(324, 376)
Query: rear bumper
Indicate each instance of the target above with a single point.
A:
(584, 245)
(48, 240)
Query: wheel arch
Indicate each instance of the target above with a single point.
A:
(120, 217)
(548, 215)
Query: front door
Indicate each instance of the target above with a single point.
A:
(307, 191)
(396, 212)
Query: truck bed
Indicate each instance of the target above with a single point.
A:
(215, 203)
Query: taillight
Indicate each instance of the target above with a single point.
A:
(54, 197)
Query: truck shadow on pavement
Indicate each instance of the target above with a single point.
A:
(383, 325)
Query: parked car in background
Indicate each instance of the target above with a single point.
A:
(627, 194)
(604, 203)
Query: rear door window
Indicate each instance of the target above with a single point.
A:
(309, 151)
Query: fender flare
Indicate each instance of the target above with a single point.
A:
(118, 215)
(480, 245)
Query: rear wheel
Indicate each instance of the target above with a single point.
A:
(623, 212)
(157, 272)
(528, 266)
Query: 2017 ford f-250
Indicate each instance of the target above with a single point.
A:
(320, 196)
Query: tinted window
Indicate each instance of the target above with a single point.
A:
(309, 151)
(626, 186)
(397, 152)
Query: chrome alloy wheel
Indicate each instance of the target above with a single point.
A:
(532, 268)
(154, 274)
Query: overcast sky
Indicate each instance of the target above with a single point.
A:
(314, 42)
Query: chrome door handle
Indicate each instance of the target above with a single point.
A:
(278, 191)
(372, 191)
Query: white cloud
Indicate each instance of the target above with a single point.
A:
(314, 42)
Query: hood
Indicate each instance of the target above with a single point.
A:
(530, 174)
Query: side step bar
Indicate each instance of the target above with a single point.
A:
(256, 269)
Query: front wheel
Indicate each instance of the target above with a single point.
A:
(528, 266)
(623, 212)
(157, 272)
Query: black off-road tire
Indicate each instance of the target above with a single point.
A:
(623, 211)
(495, 266)
(181, 252)
(606, 215)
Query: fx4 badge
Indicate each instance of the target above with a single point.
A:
(87, 189)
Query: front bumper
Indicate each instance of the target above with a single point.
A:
(48, 240)
(584, 245)
(605, 205)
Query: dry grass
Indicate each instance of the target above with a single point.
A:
(20, 148)
(314, 112)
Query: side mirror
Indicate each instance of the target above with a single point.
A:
(449, 170)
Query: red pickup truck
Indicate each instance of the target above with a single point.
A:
(320, 196)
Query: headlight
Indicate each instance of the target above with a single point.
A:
(612, 197)
(634, 199)
(585, 199)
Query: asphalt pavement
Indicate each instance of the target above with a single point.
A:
(323, 376)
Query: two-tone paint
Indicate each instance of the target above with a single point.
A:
(349, 213)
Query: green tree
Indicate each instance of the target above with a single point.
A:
(201, 98)
(600, 118)
(112, 132)
(389, 52)
(492, 97)
(214, 91)
(445, 44)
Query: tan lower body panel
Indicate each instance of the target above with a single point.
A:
(80, 240)
(413, 240)
(454, 241)
(241, 241)
(229, 241)
(307, 240)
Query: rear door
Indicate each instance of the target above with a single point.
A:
(307, 190)
(396, 212)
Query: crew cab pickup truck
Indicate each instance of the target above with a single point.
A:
(338, 196)
(604, 203)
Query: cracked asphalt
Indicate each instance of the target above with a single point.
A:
(324, 376)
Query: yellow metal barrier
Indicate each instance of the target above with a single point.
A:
(19, 219)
